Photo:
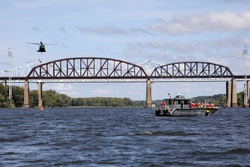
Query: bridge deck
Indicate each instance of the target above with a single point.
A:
(122, 80)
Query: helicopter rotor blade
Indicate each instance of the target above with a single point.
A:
(33, 43)
(49, 44)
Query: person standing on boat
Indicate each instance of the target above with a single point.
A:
(199, 105)
(163, 104)
(207, 105)
(192, 105)
(212, 105)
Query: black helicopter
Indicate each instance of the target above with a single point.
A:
(41, 46)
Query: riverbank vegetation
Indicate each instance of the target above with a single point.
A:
(53, 99)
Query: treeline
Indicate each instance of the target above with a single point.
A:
(17, 96)
(53, 99)
(221, 99)
(105, 101)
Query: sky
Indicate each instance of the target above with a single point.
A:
(163, 31)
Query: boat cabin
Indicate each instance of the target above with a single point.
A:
(178, 102)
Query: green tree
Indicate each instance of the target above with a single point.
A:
(33, 98)
(63, 100)
(240, 98)
(222, 101)
(3, 95)
(49, 98)
(127, 101)
(17, 95)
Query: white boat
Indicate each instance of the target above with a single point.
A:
(180, 106)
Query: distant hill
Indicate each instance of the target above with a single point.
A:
(203, 98)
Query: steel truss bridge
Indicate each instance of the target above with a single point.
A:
(96, 69)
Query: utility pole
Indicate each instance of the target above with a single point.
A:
(245, 77)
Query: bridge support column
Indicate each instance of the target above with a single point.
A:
(246, 94)
(233, 93)
(40, 99)
(26, 100)
(228, 93)
(248, 91)
(149, 93)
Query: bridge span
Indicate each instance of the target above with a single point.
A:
(97, 69)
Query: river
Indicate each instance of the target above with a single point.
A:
(122, 137)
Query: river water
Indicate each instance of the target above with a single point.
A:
(122, 137)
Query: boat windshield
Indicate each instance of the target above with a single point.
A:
(178, 102)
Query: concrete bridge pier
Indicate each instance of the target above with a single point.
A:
(149, 93)
(228, 93)
(26, 100)
(40, 90)
(233, 93)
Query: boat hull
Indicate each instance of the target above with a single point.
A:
(187, 112)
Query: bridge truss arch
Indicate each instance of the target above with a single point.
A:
(186, 70)
(87, 68)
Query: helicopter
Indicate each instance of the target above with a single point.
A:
(41, 46)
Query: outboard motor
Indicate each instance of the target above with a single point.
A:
(157, 112)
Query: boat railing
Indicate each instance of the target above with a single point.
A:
(173, 111)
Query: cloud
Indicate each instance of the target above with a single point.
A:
(40, 3)
(236, 1)
(28, 4)
(113, 30)
(223, 22)
(135, 50)
(101, 92)
(191, 47)
(62, 29)
(62, 88)
(104, 30)
(37, 29)
(139, 30)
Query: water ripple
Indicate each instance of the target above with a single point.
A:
(122, 137)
